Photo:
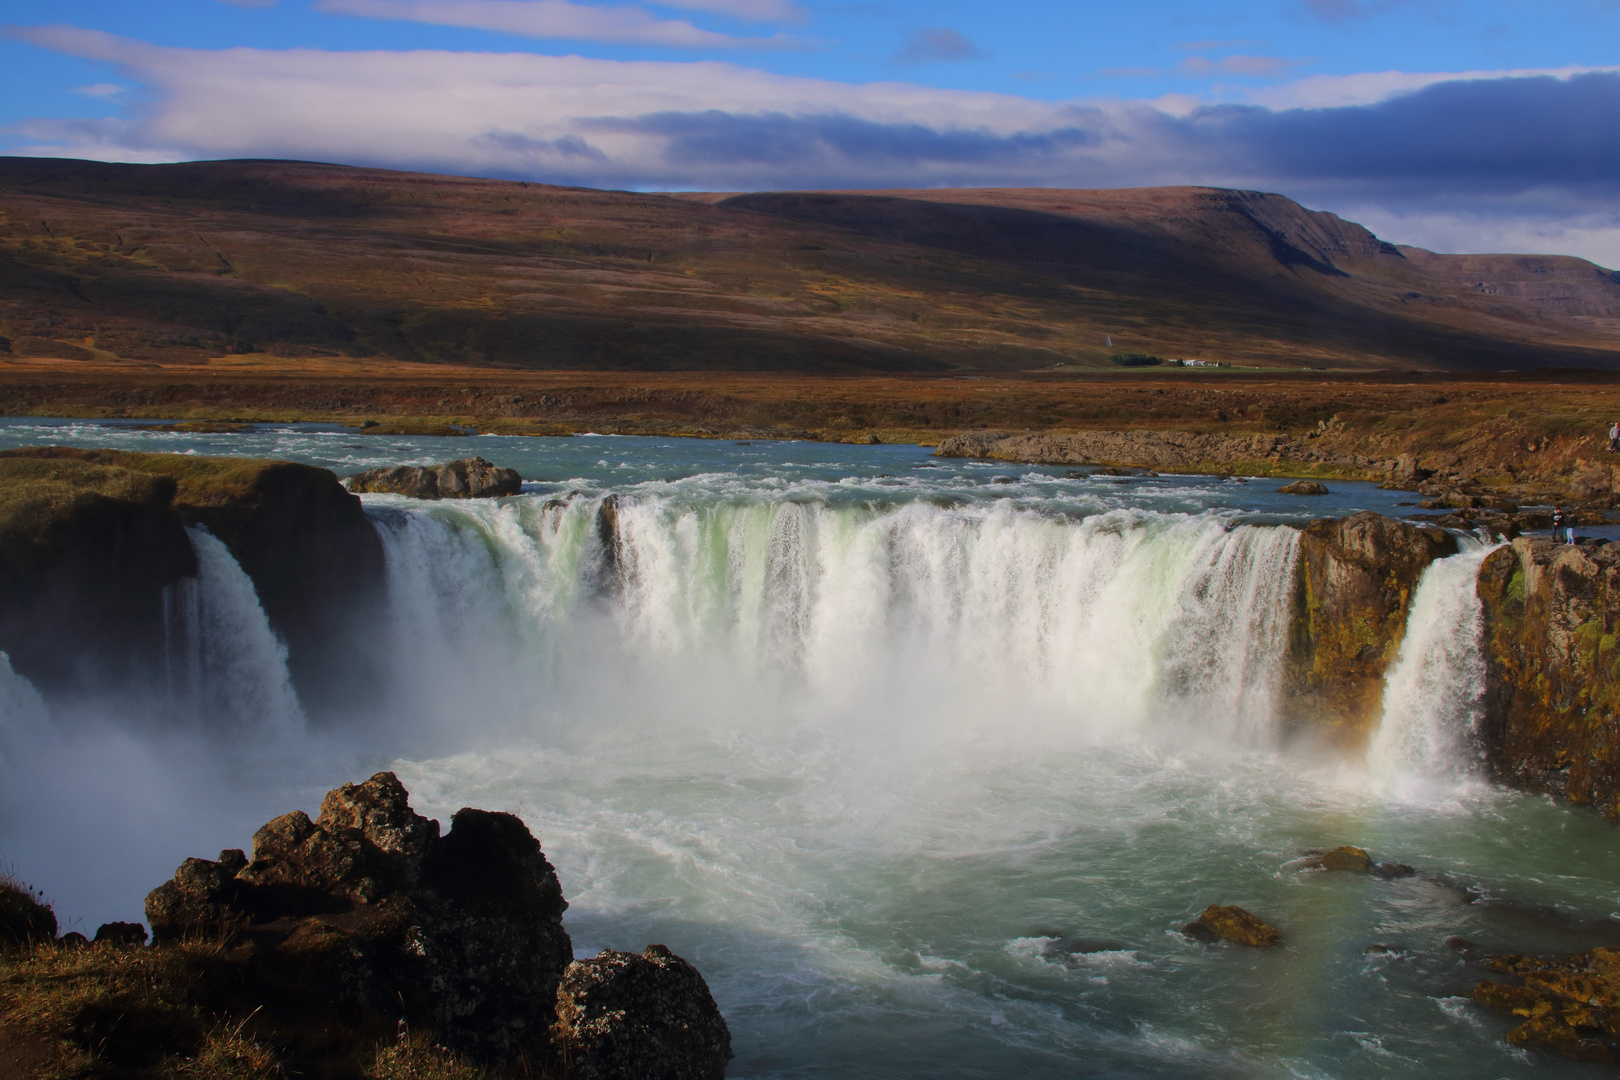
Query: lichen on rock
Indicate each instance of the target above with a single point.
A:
(1552, 702)
(650, 1016)
(1355, 579)
(1570, 1004)
(1234, 924)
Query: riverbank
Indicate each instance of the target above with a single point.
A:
(1534, 436)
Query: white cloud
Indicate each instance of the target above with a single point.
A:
(553, 19)
(501, 113)
(1367, 88)
(753, 10)
(100, 90)
(1511, 164)
(1589, 236)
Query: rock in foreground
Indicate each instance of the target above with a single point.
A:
(469, 478)
(364, 918)
(624, 1015)
(1234, 924)
(23, 919)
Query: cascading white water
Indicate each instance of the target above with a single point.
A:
(1433, 694)
(226, 665)
(1100, 627)
(24, 716)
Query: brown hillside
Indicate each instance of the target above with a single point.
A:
(183, 263)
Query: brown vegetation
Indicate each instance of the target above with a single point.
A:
(184, 263)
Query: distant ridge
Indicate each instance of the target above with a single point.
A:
(179, 263)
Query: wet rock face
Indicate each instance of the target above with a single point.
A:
(86, 552)
(620, 1015)
(1552, 613)
(1569, 1004)
(469, 478)
(1355, 579)
(367, 915)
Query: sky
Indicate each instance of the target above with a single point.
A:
(1492, 125)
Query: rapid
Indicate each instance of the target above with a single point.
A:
(923, 763)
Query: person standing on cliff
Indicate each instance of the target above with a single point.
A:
(1614, 437)
(1558, 523)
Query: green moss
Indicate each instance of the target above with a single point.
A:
(195, 480)
(1515, 586)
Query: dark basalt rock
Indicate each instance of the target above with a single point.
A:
(23, 919)
(366, 915)
(648, 1017)
(86, 552)
(81, 595)
(343, 926)
(469, 478)
(120, 934)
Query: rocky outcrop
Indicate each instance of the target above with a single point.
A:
(1570, 1004)
(86, 551)
(1553, 669)
(24, 920)
(344, 926)
(367, 913)
(624, 1015)
(314, 558)
(469, 478)
(1303, 487)
(1355, 578)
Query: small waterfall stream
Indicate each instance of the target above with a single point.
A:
(1433, 694)
(24, 717)
(227, 668)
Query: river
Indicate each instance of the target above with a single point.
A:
(923, 763)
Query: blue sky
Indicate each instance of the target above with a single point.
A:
(1491, 125)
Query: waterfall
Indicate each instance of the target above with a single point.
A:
(227, 668)
(23, 715)
(1007, 620)
(1434, 692)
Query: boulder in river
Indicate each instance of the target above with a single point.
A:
(1303, 487)
(1234, 924)
(469, 478)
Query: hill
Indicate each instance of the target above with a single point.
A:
(182, 263)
